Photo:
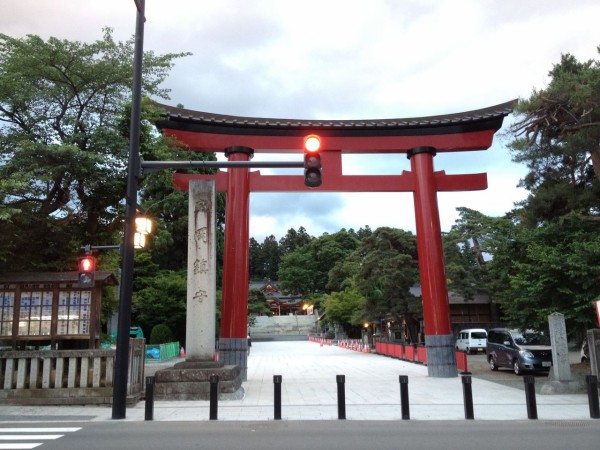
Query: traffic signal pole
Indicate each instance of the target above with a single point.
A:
(122, 353)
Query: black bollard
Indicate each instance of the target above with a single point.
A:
(468, 397)
(341, 394)
(214, 396)
(529, 381)
(149, 399)
(277, 388)
(592, 390)
(404, 397)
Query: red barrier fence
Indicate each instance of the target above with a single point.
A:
(415, 353)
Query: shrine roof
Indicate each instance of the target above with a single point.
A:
(204, 122)
(54, 277)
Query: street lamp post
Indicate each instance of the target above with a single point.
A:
(122, 353)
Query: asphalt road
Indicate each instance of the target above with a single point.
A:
(311, 435)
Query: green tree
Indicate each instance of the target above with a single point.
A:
(546, 262)
(343, 274)
(346, 308)
(162, 300)
(293, 240)
(555, 268)
(388, 271)
(271, 257)
(264, 258)
(557, 135)
(62, 150)
(364, 232)
(257, 303)
(306, 270)
(464, 248)
(297, 272)
(255, 260)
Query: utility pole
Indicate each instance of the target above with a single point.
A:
(122, 353)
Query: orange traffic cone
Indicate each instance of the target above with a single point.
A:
(182, 352)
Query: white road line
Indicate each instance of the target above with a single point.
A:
(39, 430)
(19, 446)
(24, 437)
(29, 435)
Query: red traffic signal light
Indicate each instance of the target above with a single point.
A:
(312, 143)
(312, 161)
(87, 264)
(87, 267)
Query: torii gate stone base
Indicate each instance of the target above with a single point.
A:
(190, 380)
(419, 138)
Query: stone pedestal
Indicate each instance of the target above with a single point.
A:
(190, 380)
(441, 356)
(235, 351)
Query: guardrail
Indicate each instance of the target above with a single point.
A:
(67, 377)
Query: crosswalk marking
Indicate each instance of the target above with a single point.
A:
(30, 434)
(23, 437)
(40, 430)
(19, 446)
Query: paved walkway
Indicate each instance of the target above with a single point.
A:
(309, 392)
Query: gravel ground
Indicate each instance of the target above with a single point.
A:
(479, 368)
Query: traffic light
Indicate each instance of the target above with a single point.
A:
(312, 161)
(87, 267)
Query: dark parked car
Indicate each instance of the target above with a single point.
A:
(521, 351)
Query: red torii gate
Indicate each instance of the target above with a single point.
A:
(420, 138)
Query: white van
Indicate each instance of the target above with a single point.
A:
(473, 340)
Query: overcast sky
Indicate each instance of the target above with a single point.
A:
(345, 59)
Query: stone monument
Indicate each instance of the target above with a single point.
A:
(560, 380)
(190, 379)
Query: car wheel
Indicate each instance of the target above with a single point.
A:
(492, 363)
(517, 367)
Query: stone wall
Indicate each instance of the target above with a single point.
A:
(265, 326)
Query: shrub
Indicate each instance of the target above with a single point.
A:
(161, 334)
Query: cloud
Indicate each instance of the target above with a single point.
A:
(345, 59)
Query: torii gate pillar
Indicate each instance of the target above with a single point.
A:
(439, 339)
(233, 344)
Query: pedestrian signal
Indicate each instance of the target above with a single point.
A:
(87, 267)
